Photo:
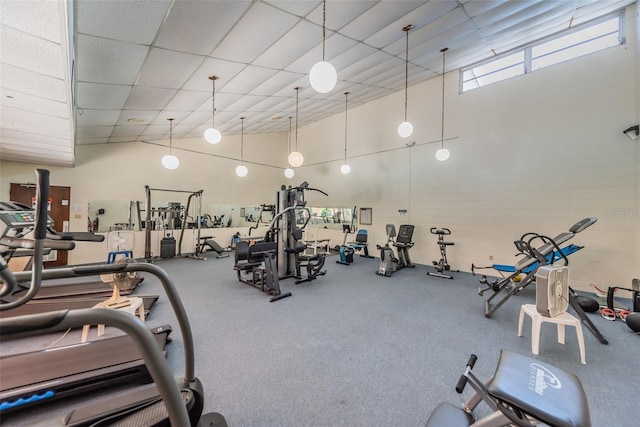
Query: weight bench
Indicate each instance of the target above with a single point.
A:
(256, 266)
(521, 391)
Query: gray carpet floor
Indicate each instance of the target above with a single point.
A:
(356, 349)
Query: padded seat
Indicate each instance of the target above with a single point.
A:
(448, 415)
(544, 391)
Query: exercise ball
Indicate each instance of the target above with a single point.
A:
(589, 305)
(633, 321)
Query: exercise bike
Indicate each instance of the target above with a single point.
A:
(389, 263)
(345, 252)
(442, 265)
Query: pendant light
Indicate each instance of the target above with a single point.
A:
(241, 169)
(406, 129)
(345, 168)
(295, 157)
(442, 154)
(323, 76)
(289, 172)
(213, 135)
(169, 161)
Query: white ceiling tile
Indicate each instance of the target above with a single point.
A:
(168, 69)
(247, 79)
(366, 64)
(101, 96)
(380, 15)
(120, 139)
(40, 18)
(419, 18)
(94, 131)
(224, 70)
(31, 53)
(198, 117)
(289, 47)
(340, 13)
(258, 29)
(109, 61)
(32, 83)
(149, 98)
(164, 115)
(199, 26)
(188, 100)
(156, 130)
(295, 7)
(128, 131)
(336, 45)
(136, 117)
(35, 104)
(132, 21)
(97, 117)
(275, 84)
(245, 104)
(223, 100)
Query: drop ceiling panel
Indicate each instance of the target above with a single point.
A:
(128, 131)
(335, 45)
(199, 26)
(94, 131)
(258, 29)
(366, 64)
(340, 14)
(198, 117)
(245, 103)
(134, 117)
(379, 16)
(101, 96)
(224, 70)
(109, 61)
(281, 80)
(247, 79)
(223, 100)
(168, 69)
(120, 139)
(295, 7)
(156, 130)
(35, 104)
(164, 115)
(132, 21)
(289, 47)
(39, 18)
(32, 83)
(419, 18)
(89, 141)
(149, 98)
(188, 100)
(31, 53)
(97, 117)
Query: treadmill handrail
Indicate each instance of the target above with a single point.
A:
(165, 280)
(132, 326)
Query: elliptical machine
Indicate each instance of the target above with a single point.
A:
(389, 263)
(442, 265)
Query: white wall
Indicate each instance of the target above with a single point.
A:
(533, 153)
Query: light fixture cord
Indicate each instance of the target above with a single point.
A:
(213, 104)
(346, 95)
(324, 18)
(406, 76)
(444, 52)
(289, 145)
(242, 142)
(170, 134)
(297, 91)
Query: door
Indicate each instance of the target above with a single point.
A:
(58, 211)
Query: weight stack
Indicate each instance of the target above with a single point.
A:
(168, 247)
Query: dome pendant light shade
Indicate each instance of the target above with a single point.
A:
(323, 76)
(289, 173)
(345, 169)
(213, 135)
(406, 129)
(295, 157)
(241, 169)
(442, 154)
(169, 161)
